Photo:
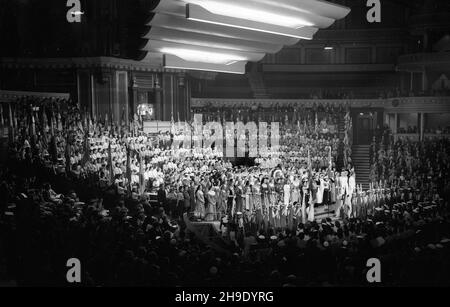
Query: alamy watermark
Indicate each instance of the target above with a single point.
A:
(73, 275)
(233, 137)
(74, 13)
(373, 275)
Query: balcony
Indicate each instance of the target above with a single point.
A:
(328, 68)
(429, 21)
(421, 61)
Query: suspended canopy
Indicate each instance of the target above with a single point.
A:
(223, 35)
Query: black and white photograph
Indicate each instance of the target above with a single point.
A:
(224, 149)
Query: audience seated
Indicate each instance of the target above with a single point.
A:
(125, 203)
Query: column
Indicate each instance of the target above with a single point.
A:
(168, 97)
(424, 80)
(84, 91)
(103, 94)
(411, 83)
(422, 125)
(121, 108)
(158, 105)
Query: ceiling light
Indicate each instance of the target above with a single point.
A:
(173, 62)
(203, 56)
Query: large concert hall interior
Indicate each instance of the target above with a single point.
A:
(224, 142)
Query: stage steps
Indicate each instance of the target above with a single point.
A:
(361, 161)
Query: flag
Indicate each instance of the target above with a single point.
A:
(86, 148)
(52, 131)
(60, 128)
(110, 165)
(11, 123)
(89, 123)
(10, 115)
(80, 123)
(67, 154)
(33, 125)
(2, 121)
(316, 124)
(141, 175)
(310, 180)
(53, 151)
(128, 174)
(15, 119)
(330, 163)
(45, 121)
(45, 128)
(85, 120)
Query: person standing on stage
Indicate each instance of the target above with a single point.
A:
(222, 202)
(239, 197)
(230, 199)
(272, 202)
(200, 203)
(256, 200)
(351, 191)
(305, 200)
(211, 211)
(286, 192)
(265, 203)
(326, 190)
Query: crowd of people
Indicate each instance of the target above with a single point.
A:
(419, 165)
(122, 201)
(288, 182)
(137, 243)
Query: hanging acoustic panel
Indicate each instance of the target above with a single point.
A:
(223, 35)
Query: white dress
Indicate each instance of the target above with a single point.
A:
(287, 194)
(351, 185)
(343, 180)
(321, 188)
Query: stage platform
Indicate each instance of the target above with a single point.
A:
(321, 212)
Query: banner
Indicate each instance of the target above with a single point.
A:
(110, 165)
(141, 175)
(128, 173)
